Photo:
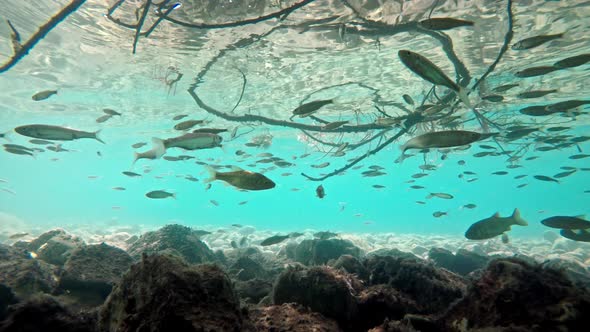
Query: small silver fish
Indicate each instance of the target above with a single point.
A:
(44, 95)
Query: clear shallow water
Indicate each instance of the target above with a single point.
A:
(88, 59)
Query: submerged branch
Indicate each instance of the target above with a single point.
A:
(359, 159)
(146, 9)
(23, 50)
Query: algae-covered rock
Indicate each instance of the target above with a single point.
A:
(291, 317)
(381, 302)
(523, 296)
(432, 289)
(317, 252)
(93, 270)
(43, 313)
(253, 290)
(164, 293)
(351, 265)
(463, 262)
(322, 289)
(24, 275)
(178, 238)
(7, 298)
(54, 247)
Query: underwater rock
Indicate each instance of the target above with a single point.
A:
(91, 271)
(410, 323)
(253, 290)
(317, 252)
(164, 293)
(351, 265)
(575, 271)
(381, 302)
(26, 276)
(523, 296)
(323, 289)
(291, 317)
(463, 262)
(432, 289)
(565, 245)
(181, 239)
(7, 298)
(391, 252)
(245, 268)
(43, 313)
(54, 247)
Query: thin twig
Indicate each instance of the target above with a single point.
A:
(40, 34)
(146, 8)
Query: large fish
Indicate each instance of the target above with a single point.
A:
(566, 222)
(430, 72)
(582, 235)
(535, 41)
(311, 107)
(493, 226)
(194, 141)
(55, 133)
(241, 179)
(444, 139)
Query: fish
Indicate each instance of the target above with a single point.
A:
(535, 71)
(520, 132)
(520, 176)
(19, 151)
(493, 98)
(566, 222)
(430, 72)
(419, 175)
(242, 179)
(440, 195)
(505, 87)
(188, 124)
(522, 185)
(439, 214)
(564, 174)
(378, 186)
(579, 156)
(138, 145)
(320, 192)
(461, 162)
(311, 107)
(558, 128)
(179, 117)
(43, 95)
(535, 93)
(160, 194)
(444, 23)
(275, 239)
(55, 133)
(420, 202)
(111, 112)
(567, 105)
(444, 139)
(131, 174)
(17, 236)
(194, 141)
(408, 99)
(103, 118)
(242, 202)
(214, 202)
(118, 188)
(334, 125)
(201, 232)
(40, 142)
(535, 41)
(210, 130)
(17, 147)
(573, 61)
(470, 206)
(322, 165)
(493, 226)
(545, 178)
(324, 235)
(582, 235)
(416, 187)
(500, 173)
(505, 238)
(158, 150)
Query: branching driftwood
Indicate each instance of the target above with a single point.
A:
(22, 50)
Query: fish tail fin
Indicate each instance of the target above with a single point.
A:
(5, 136)
(96, 137)
(462, 93)
(135, 158)
(159, 146)
(429, 196)
(212, 174)
(403, 156)
(518, 219)
(173, 195)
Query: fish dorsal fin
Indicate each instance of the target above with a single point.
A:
(496, 215)
(236, 169)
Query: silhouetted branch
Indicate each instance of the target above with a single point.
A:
(146, 8)
(43, 30)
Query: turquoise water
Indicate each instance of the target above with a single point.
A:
(92, 67)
